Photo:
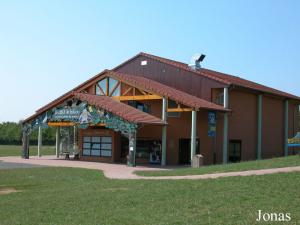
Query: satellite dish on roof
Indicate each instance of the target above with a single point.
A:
(195, 61)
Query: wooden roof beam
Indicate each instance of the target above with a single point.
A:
(137, 97)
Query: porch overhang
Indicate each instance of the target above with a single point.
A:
(120, 109)
(106, 103)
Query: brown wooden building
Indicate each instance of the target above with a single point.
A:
(178, 111)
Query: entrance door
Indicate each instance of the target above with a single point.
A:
(185, 150)
(235, 148)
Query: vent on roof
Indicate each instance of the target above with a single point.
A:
(196, 60)
(144, 63)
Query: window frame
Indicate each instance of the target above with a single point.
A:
(100, 149)
(111, 91)
(137, 104)
(172, 105)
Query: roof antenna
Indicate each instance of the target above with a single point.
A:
(195, 61)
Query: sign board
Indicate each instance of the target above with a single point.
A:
(67, 114)
(212, 122)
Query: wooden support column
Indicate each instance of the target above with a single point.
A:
(25, 147)
(57, 141)
(164, 132)
(132, 150)
(286, 127)
(74, 140)
(193, 134)
(40, 141)
(225, 127)
(259, 126)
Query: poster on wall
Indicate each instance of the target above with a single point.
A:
(212, 122)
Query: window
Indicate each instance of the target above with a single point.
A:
(97, 146)
(108, 86)
(235, 151)
(147, 149)
(140, 106)
(172, 105)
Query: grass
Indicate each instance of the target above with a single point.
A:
(249, 165)
(80, 196)
(16, 150)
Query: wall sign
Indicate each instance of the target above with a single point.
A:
(66, 114)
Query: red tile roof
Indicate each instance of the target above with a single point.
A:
(120, 109)
(164, 90)
(157, 88)
(249, 84)
(69, 93)
(160, 89)
(222, 77)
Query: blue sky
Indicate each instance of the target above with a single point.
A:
(48, 47)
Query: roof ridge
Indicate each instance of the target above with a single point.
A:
(275, 91)
(167, 91)
(159, 57)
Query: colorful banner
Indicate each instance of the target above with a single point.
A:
(212, 123)
(82, 115)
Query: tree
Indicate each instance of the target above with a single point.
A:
(11, 134)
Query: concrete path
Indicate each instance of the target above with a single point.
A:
(121, 171)
(12, 165)
(110, 170)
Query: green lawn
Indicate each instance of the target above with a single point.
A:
(16, 150)
(250, 165)
(80, 196)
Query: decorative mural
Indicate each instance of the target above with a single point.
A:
(83, 115)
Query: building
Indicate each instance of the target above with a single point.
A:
(155, 110)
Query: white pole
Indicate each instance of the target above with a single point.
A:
(74, 144)
(193, 134)
(164, 133)
(57, 141)
(225, 126)
(40, 141)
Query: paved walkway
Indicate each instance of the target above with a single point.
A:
(12, 165)
(110, 170)
(121, 171)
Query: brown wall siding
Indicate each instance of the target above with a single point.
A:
(91, 89)
(293, 124)
(178, 128)
(243, 121)
(293, 110)
(172, 76)
(242, 126)
(219, 138)
(272, 127)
